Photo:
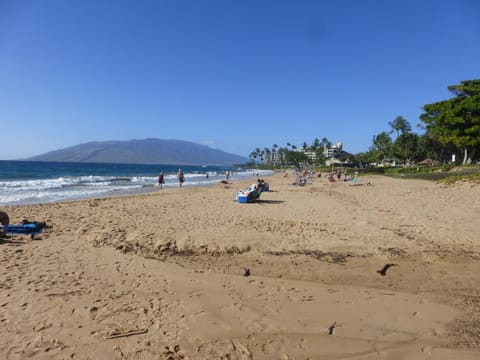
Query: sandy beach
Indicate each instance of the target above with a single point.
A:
(164, 275)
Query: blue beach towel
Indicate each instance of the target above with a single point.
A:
(31, 229)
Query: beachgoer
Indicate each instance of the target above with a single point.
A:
(161, 180)
(227, 174)
(355, 176)
(262, 185)
(251, 192)
(180, 177)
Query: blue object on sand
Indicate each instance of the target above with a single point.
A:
(242, 198)
(24, 229)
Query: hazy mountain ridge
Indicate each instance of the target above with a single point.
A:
(147, 151)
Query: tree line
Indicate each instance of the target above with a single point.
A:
(290, 154)
(449, 127)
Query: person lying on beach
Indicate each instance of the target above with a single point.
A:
(301, 181)
(331, 178)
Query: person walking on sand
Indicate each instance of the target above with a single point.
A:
(181, 177)
(161, 181)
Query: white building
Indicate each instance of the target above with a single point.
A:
(334, 150)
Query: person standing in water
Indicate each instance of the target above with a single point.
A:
(161, 180)
(181, 177)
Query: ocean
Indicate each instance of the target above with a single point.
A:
(28, 182)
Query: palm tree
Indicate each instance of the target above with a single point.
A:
(253, 155)
(267, 155)
(400, 125)
(274, 151)
(261, 154)
(326, 143)
(281, 154)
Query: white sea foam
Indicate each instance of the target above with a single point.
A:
(68, 188)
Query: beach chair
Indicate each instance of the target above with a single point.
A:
(250, 195)
(255, 195)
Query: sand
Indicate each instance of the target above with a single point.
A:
(163, 275)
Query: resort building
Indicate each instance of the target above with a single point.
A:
(334, 150)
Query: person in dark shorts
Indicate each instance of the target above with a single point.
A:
(181, 177)
(161, 180)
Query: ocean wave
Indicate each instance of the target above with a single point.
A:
(75, 187)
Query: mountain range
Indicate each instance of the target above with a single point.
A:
(146, 151)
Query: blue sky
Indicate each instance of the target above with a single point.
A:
(233, 75)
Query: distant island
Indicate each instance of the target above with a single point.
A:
(146, 151)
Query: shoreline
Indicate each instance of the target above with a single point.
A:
(37, 182)
(57, 194)
(169, 266)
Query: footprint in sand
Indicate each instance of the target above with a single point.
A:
(93, 312)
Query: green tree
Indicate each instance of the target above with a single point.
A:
(274, 151)
(457, 120)
(253, 155)
(261, 154)
(316, 144)
(296, 158)
(326, 143)
(400, 125)
(382, 143)
(367, 157)
(267, 153)
(257, 153)
(407, 148)
(281, 155)
(320, 156)
(434, 149)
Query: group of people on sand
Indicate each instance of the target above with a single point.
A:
(337, 175)
(304, 177)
